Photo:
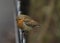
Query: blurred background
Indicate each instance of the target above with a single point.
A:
(47, 13)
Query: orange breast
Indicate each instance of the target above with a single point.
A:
(20, 23)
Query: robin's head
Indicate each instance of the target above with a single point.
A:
(20, 21)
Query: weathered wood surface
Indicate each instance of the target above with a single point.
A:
(7, 30)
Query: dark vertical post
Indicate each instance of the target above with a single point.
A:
(24, 6)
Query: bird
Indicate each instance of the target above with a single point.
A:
(26, 23)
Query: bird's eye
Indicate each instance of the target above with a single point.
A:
(19, 19)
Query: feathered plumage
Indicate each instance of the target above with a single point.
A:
(26, 23)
